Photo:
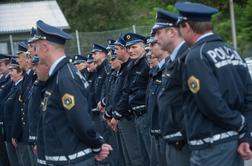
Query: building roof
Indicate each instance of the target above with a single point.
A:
(21, 17)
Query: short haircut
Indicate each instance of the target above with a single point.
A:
(199, 27)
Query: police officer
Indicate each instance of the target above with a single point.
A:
(22, 128)
(132, 101)
(218, 94)
(12, 109)
(170, 97)
(68, 135)
(80, 63)
(37, 91)
(5, 86)
(155, 82)
(124, 125)
(99, 53)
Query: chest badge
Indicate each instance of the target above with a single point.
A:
(45, 101)
(193, 84)
(68, 101)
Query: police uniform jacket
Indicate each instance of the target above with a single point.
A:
(11, 110)
(154, 87)
(107, 100)
(116, 89)
(218, 93)
(102, 72)
(68, 132)
(170, 98)
(134, 89)
(24, 99)
(34, 110)
(5, 87)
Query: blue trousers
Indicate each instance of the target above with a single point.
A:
(224, 154)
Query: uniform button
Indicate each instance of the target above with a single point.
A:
(22, 109)
(22, 118)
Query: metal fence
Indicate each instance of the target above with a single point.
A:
(82, 41)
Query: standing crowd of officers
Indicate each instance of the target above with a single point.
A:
(181, 97)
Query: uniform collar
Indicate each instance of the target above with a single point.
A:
(28, 71)
(161, 63)
(175, 51)
(205, 35)
(16, 83)
(52, 68)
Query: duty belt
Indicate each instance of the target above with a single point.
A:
(69, 157)
(170, 136)
(136, 108)
(214, 138)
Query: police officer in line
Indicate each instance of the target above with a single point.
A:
(132, 102)
(99, 53)
(36, 94)
(80, 63)
(11, 113)
(155, 82)
(218, 92)
(115, 94)
(68, 133)
(5, 87)
(170, 97)
(22, 129)
(106, 88)
(108, 100)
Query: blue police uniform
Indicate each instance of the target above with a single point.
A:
(11, 120)
(132, 106)
(68, 132)
(5, 87)
(217, 94)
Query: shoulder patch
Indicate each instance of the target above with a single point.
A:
(193, 84)
(68, 101)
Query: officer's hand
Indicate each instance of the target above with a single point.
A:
(245, 151)
(114, 124)
(108, 121)
(99, 107)
(34, 149)
(105, 150)
(13, 141)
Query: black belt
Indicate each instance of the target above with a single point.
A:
(138, 113)
(179, 144)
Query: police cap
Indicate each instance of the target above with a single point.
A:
(120, 41)
(79, 59)
(99, 48)
(164, 19)
(48, 32)
(111, 45)
(194, 12)
(4, 58)
(133, 38)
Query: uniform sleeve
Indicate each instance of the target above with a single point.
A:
(206, 91)
(123, 103)
(246, 134)
(16, 129)
(75, 103)
(34, 110)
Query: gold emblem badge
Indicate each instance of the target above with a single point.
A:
(194, 84)
(128, 37)
(68, 101)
